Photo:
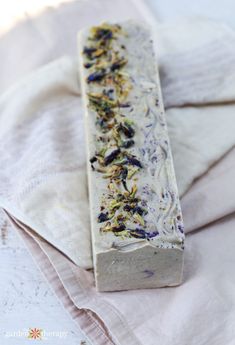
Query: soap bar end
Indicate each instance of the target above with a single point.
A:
(146, 267)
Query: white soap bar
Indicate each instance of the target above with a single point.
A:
(136, 220)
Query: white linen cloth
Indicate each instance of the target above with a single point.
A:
(43, 188)
(43, 179)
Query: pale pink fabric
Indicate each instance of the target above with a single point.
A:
(212, 197)
(41, 38)
(198, 312)
(202, 310)
(156, 316)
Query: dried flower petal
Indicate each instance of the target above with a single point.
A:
(113, 155)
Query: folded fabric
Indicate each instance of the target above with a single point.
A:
(43, 189)
(42, 152)
(199, 311)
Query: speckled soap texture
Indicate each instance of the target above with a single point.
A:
(136, 220)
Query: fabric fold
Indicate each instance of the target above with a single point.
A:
(212, 196)
(43, 188)
(79, 288)
(108, 318)
(42, 149)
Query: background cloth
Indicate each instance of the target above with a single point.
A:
(43, 189)
(42, 151)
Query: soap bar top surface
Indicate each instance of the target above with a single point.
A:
(132, 187)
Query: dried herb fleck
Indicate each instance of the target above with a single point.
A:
(119, 228)
(106, 65)
(127, 144)
(118, 64)
(102, 217)
(127, 130)
(134, 161)
(96, 76)
(113, 155)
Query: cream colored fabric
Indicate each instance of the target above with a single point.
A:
(43, 175)
(43, 182)
(197, 59)
(46, 35)
(199, 311)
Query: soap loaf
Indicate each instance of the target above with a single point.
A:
(136, 219)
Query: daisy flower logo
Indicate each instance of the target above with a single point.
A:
(35, 333)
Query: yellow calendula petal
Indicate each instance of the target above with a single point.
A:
(133, 191)
(131, 172)
(139, 219)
